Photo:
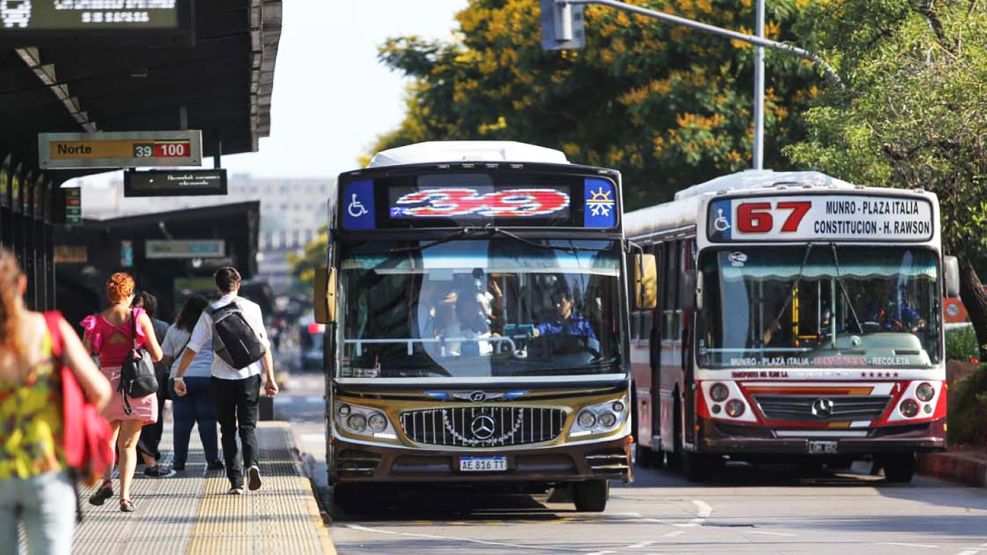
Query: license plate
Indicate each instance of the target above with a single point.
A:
(482, 464)
(822, 447)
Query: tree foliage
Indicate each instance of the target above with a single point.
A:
(666, 105)
(913, 115)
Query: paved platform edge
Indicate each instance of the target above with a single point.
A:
(955, 467)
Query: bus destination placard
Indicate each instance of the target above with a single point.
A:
(119, 149)
(820, 217)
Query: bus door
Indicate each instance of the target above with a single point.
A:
(685, 262)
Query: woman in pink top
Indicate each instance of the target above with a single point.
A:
(110, 334)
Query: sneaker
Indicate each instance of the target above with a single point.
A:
(158, 471)
(236, 490)
(101, 495)
(216, 465)
(253, 478)
(178, 466)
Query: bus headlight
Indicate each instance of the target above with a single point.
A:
(925, 392)
(909, 407)
(600, 418)
(719, 392)
(363, 421)
(357, 423)
(735, 408)
(377, 422)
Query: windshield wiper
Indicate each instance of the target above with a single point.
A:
(846, 295)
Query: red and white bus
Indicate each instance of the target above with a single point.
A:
(798, 316)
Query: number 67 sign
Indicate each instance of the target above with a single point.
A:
(819, 217)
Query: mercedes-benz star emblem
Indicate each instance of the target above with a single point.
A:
(822, 408)
(482, 427)
(478, 396)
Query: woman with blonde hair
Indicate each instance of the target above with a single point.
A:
(35, 486)
(112, 334)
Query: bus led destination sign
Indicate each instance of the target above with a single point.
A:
(820, 217)
(119, 150)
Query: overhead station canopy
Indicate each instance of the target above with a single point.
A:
(210, 67)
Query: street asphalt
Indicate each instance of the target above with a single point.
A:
(743, 510)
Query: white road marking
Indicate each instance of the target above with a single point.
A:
(601, 552)
(909, 544)
(458, 539)
(703, 509)
(640, 545)
(766, 533)
(969, 552)
(673, 533)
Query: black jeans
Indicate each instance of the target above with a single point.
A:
(150, 437)
(237, 412)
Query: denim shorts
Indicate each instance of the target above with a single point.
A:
(42, 504)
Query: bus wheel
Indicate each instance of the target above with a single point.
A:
(696, 467)
(647, 457)
(899, 469)
(591, 496)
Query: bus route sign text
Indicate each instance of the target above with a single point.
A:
(820, 217)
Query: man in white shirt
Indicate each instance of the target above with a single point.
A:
(235, 391)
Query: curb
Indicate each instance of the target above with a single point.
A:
(954, 467)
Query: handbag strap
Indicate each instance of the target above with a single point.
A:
(133, 325)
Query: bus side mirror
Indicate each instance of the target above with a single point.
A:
(688, 290)
(645, 282)
(951, 275)
(325, 295)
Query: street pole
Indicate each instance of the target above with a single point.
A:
(759, 91)
(749, 39)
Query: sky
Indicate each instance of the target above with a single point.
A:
(332, 97)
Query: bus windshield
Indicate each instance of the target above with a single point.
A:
(819, 305)
(501, 307)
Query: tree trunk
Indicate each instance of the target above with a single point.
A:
(975, 300)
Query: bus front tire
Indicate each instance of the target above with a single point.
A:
(898, 469)
(351, 498)
(696, 467)
(591, 496)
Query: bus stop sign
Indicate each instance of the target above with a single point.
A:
(119, 150)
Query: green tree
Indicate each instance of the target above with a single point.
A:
(913, 115)
(666, 105)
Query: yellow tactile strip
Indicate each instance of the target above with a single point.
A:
(194, 514)
(281, 518)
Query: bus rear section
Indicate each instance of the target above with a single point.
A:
(806, 325)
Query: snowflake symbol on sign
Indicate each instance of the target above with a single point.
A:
(601, 203)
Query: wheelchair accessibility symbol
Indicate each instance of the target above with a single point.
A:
(356, 208)
(720, 223)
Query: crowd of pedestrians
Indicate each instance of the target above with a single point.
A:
(209, 362)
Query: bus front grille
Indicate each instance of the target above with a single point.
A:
(483, 426)
(832, 408)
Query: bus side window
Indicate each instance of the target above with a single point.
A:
(671, 298)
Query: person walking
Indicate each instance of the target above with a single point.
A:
(111, 335)
(35, 485)
(150, 438)
(196, 406)
(231, 323)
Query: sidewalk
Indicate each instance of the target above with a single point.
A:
(967, 467)
(192, 513)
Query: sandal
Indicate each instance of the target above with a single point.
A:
(102, 494)
(126, 506)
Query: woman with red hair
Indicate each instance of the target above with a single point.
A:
(111, 334)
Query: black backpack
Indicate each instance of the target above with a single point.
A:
(137, 376)
(233, 339)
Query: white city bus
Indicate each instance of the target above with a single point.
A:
(798, 316)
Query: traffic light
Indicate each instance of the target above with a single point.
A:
(561, 25)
